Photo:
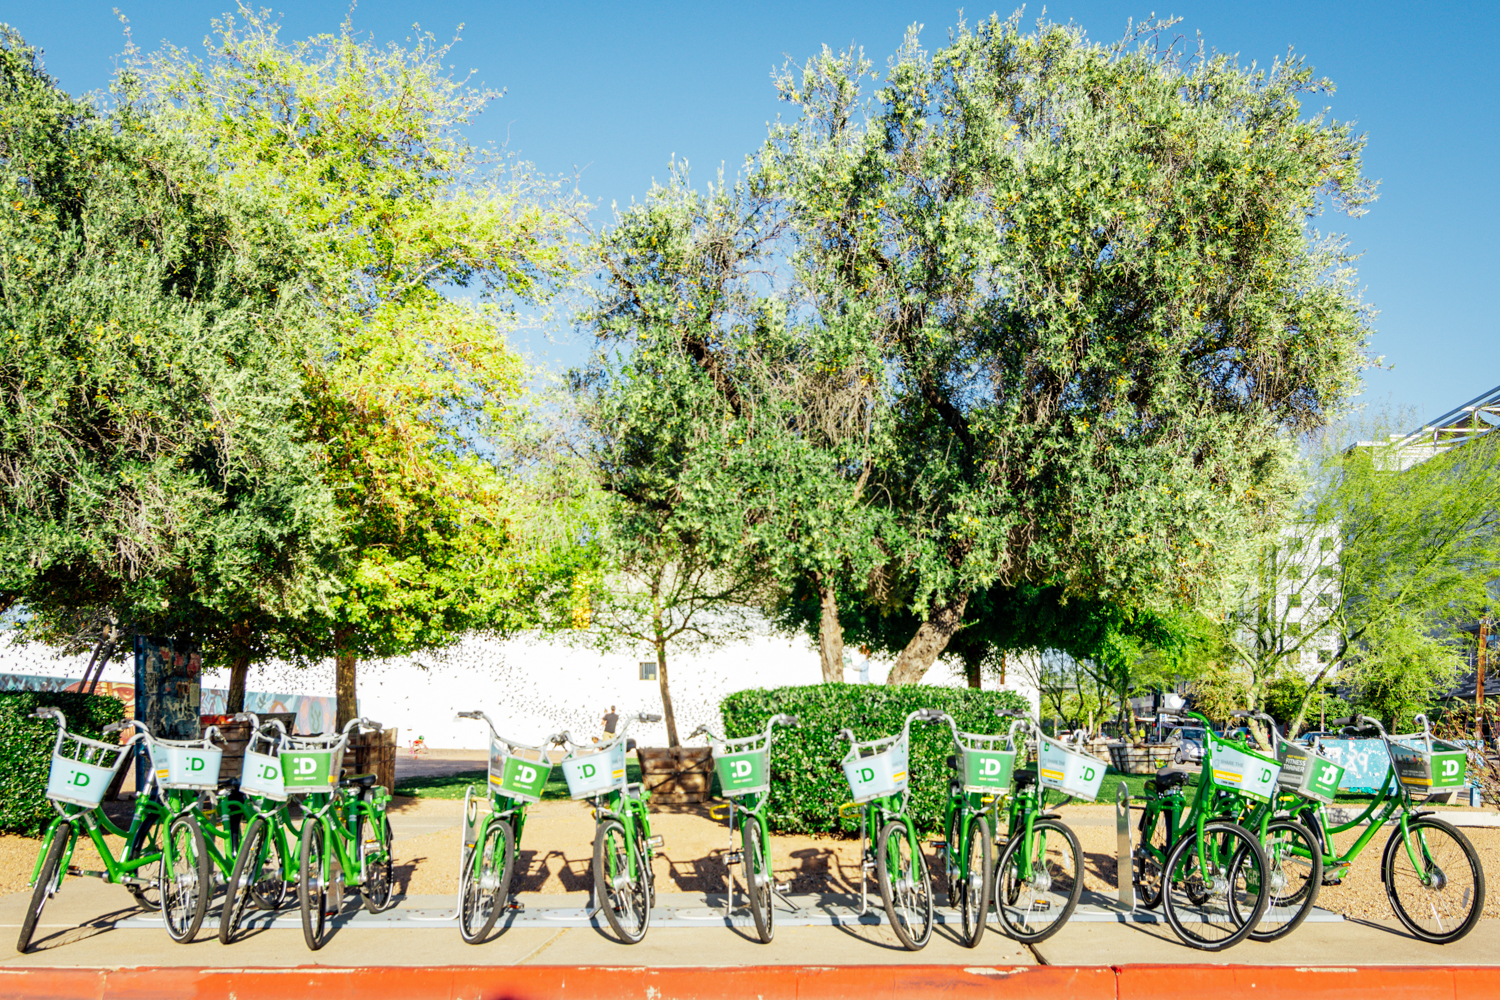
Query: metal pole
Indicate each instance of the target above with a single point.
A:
(1484, 641)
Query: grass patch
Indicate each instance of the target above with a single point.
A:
(453, 786)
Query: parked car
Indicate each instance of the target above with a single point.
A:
(1190, 744)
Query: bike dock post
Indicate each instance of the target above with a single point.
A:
(1125, 867)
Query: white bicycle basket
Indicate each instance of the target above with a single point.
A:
(186, 764)
(83, 769)
(595, 772)
(882, 772)
(1069, 771)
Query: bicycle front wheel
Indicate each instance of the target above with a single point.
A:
(1037, 889)
(1294, 861)
(621, 894)
(144, 843)
(905, 888)
(185, 881)
(1151, 856)
(251, 866)
(1213, 897)
(379, 872)
(48, 881)
(320, 883)
(1439, 897)
(971, 882)
(486, 881)
(758, 879)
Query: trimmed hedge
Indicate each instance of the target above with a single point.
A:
(807, 783)
(26, 750)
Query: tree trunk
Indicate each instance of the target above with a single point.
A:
(239, 672)
(660, 643)
(830, 632)
(929, 642)
(344, 685)
(973, 659)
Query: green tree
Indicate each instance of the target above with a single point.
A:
(1088, 274)
(361, 148)
(154, 456)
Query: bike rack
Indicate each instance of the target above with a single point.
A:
(1125, 863)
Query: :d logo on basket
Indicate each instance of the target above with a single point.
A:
(587, 770)
(269, 773)
(866, 775)
(1265, 775)
(526, 774)
(195, 763)
(989, 767)
(1088, 773)
(740, 768)
(80, 779)
(306, 765)
(1450, 768)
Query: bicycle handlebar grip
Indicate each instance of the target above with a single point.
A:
(649, 717)
(792, 720)
(240, 717)
(1240, 713)
(1007, 713)
(468, 715)
(114, 727)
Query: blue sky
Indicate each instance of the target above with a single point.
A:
(614, 91)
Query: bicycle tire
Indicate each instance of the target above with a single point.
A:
(908, 901)
(758, 877)
(1470, 899)
(144, 841)
(624, 900)
(1228, 868)
(272, 893)
(485, 897)
(376, 890)
(973, 902)
(320, 896)
(1148, 868)
(248, 861)
(1292, 896)
(1064, 886)
(642, 837)
(185, 880)
(48, 882)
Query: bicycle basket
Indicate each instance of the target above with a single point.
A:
(881, 773)
(261, 775)
(83, 769)
(1067, 770)
(1247, 772)
(743, 768)
(518, 772)
(987, 768)
(186, 764)
(1424, 764)
(306, 770)
(1309, 774)
(595, 772)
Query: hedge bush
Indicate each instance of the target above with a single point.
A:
(807, 783)
(26, 750)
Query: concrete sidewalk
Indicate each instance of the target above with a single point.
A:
(80, 929)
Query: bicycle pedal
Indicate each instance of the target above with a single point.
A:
(734, 857)
(1333, 881)
(781, 888)
(655, 841)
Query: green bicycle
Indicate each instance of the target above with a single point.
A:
(744, 769)
(980, 771)
(1039, 877)
(624, 883)
(265, 866)
(81, 773)
(346, 837)
(878, 781)
(1431, 872)
(518, 773)
(1205, 871)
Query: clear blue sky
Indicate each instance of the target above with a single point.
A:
(615, 90)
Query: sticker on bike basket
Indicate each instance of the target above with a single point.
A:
(520, 775)
(743, 773)
(1068, 771)
(308, 770)
(1443, 766)
(261, 775)
(78, 783)
(988, 770)
(187, 767)
(594, 773)
(1246, 771)
(1306, 773)
(878, 775)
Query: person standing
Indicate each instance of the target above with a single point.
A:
(610, 719)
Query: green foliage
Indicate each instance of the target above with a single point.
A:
(26, 750)
(808, 785)
(153, 332)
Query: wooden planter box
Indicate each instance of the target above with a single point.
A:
(1146, 759)
(677, 775)
(373, 753)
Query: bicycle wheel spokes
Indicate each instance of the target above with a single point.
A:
(758, 881)
(1035, 895)
(147, 842)
(48, 881)
(1295, 867)
(320, 891)
(1439, 897)
(1213, 892)
(975, 871)
(620, 892)
(185, 882)
(904, 885)
(249, 866)
(486, 885)
(1151, 856)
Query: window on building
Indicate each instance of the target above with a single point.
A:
(648, 670)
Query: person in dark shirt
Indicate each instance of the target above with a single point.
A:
(610, 718)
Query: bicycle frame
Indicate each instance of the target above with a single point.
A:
(502, 806)
(881, 810)
(342, 813)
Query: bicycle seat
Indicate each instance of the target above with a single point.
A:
(1025, 779)
(359, 781)
(229, 784)
(1167, 779)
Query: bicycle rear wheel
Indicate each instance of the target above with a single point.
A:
(485, 892)
(624, 897)
(1035, 896)
(1199, 886)
(973, 880)
(185, 880)
(1441, 897)
(1294, 862)
(1151, 856)
(146, 841)
(376, 889)
(48, 881)
(905, 888)
(250, 866)
(758, 879)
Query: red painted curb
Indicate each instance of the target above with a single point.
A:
(868, 982)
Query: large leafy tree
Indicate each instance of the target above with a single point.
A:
(155, 467)
(423, 249)
(1089, 271)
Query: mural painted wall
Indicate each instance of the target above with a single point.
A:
(315, 713)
